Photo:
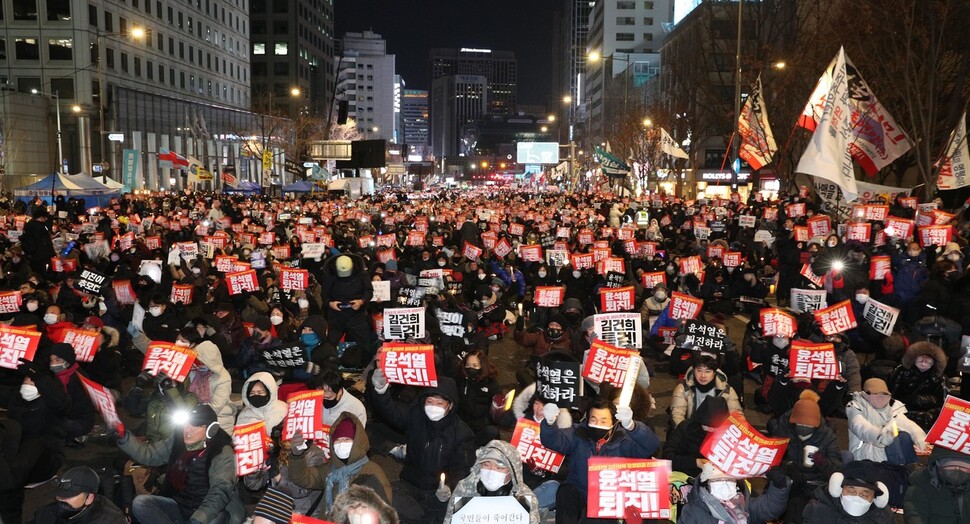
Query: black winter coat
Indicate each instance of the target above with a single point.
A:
(475, 401)
(922, 392)
(826, 509)
(101, 511)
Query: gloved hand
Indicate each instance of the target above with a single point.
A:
(298, 444)
(624, 415)
(144, 379)
(520, 323)
(819, 459)
(117, 432)
(776, 476)
(163, 382)
(443, 493)
(28, 368)
(551, 413)
(379, 381)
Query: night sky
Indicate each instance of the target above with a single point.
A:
(413, 27)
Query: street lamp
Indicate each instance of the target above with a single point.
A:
(60, 145)
(779, 65)
(647, 122)
(136, 33)
(294, 92)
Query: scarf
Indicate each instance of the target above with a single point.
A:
(199, 386)
(340, 478)
(65, 375)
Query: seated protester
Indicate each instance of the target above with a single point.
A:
(541, 341)
(77, 501)
(161, 321)
(438, 442)
(261, 402)
(248, 360)
(719, 497)
(716, 293)
(275, 507)
(940, 492)
(683, 445)
(285, 327)
(106, 367)
(658, 301)
(812, 454)
(323, 355)
(879, 429)
(748, 285)
(785, 392)
(607, 432)
(496, 473)
(703, 380)
(919, 382)
(200, 482)
(854, 495)
(274, 475)
(55, 320)
(476, 388)
(864, 338)
(849, 366)
(79, 419)
(337, 400)
(360, 504)
(208, 380)
(348, 464)
(543, 483)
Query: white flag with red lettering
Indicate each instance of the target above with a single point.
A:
(956, 159)
(757, 141)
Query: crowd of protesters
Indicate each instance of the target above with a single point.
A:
(176, 460)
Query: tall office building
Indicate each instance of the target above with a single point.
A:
(366, 80)
(414, 113)
(574, 32)
(499, 68)
(155, 74)
(293, 55)
(456, 101)
(625, 36)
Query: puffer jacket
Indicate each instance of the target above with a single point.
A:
(922, 391)
(824, 439)
(446, 446)
(704, 508)
(929, 499)
(468, 488)
(220, 384)
(315, 477)
(682, 400)
(866, 423)
(909, 273)
(303, 498)
(272, 413)
(826, 509)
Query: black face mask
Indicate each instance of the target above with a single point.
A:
(258, 401)
(473, 373)
(953, 478)
(597, 433)
(554, 334)
(330, 403)
(66, 512)
(803, 431)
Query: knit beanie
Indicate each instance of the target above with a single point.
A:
(275, 506)
(806, 411)
(345, 429)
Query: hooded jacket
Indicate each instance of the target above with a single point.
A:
(446, 446)
(683, 398)
(272, 413)
(704, 508)
(220, 384)
(578, 446)
(315, 476)
(929, 499)
(923, 392)
(468, 487)
(866, 423)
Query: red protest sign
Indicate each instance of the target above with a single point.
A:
(899, 227)
(249, 443)
(10, 302)
(409, 364)
(182, 293)
(63, 265)
(858, 231)
(616, 484)
(732, 259)
(124, 292)
(836, 319)
(549, 296)
(611, 264)
(684, 306)
(585, 237)
(416, 238)
(471, 251)
(153, 243)
(879, 267)
(526, 439)
(795, 210)
(366, 241)
(171, 359)
(741, 451)
(600, 253)
(102, 399)
(502, 248)
(819, 226)
(935, 235)
(650, 280)
(581, 260)
(952, 428)
(811, 276)
(607, 363)
(387, 240)
(870, 211)
(281, 252)
(715, 251)
(85, 343)
(516, 229)
(813, 361)
(304, 412)
(242, 281)
(668, 334)
(225, 263)
(802, 234)
(941, 217)
(294, 279)
(775, 321)
(16, 344)
(690, 265)
(648, 248)
(532, 253)
(613, 300)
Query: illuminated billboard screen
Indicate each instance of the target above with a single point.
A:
(537, 153)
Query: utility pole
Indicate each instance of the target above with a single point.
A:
(736, 162)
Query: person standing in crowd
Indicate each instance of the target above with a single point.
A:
(36, 242)
(345, 293)
(78, 501)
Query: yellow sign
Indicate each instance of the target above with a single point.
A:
(267, 159)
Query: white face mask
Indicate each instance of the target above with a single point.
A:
(878, 401)
(861, 298)
(32, 306)
(723, 489)
(276, 320)
(832, 243)
(303, 303)
(493, 480)
(542, 274)
(779, 342)
(854, 505)
(29, 392)
(155, 311)
(435, 413)
(577, 274)
(183, 343)
(342, 449)
(50, 318)
(660, 296)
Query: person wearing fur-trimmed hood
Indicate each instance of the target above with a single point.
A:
(919, 382)
(497, 472)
